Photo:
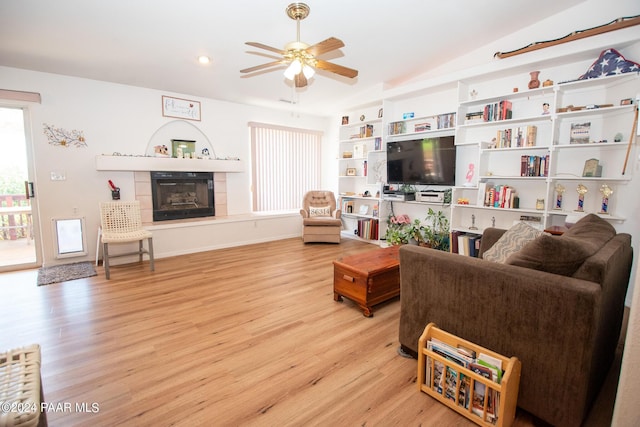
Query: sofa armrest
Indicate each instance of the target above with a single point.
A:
(548, 321)
(489, 237)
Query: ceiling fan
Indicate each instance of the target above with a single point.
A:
(301, 58)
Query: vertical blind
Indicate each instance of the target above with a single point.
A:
(285, 165)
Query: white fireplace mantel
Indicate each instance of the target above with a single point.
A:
(147, 163)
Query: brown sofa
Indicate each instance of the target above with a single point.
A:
(563, 324)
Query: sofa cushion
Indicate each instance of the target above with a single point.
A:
(319, 211)
(565, 254)
(592, 229)
(558, 255)
(511, 242)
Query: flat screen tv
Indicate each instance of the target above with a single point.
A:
(427, 161)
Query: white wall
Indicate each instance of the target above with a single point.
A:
(119, 118)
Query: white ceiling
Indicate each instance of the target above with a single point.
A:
(155, 43)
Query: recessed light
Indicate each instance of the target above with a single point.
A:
(204, 59)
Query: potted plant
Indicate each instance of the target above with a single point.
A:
(435, 230)
(398, 228)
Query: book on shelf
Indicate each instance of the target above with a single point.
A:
(367, 228)
(497, 111)
(397, 128)
(519, 136)
(474, 117)
(531, 165)
(422, 127)
(447, 120)
(580, 133)
(465, 243)
(347, 206)
(500, 196)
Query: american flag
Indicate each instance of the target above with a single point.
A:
(610, 63)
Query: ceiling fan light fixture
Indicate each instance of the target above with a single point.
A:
(308, 71)
(203, 59)
(294, 68)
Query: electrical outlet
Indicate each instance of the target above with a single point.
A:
(58, 176)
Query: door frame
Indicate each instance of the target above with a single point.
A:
(31, 177)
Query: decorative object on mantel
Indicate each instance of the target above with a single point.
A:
(617, 24)
(180, 108)
(161, 151)
(64, 138)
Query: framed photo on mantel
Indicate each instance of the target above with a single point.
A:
(180, 108)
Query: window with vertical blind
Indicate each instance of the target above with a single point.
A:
(285, 165)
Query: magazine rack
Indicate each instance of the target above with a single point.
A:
(461, 393)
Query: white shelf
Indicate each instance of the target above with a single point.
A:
(589, 178)
(507, 122)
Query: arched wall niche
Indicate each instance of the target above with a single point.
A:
(179, 129)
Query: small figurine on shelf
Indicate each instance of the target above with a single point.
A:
(545, 109)
(606, 192)
(473, 223)
(559, 190)
(582, 190)
(469, 176)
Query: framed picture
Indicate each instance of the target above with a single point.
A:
(182, 148)
(180, 108)
(380, 113)
(592, 168)
(351, 171)
(345, 120)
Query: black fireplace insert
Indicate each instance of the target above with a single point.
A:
(179, 195)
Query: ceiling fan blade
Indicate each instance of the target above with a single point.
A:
(325, 46)
(264, 46)
(335, 68)
(300, 80)
(262, 67)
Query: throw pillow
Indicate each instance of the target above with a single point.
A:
(319, 211)
(558, 255)
(511, 242)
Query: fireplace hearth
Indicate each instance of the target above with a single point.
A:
(180, 195)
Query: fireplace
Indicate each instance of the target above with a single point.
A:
(179, 195)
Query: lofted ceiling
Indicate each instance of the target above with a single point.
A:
(155, 43)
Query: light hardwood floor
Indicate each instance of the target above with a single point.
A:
(241, 336)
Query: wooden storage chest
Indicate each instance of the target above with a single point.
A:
(368, 278)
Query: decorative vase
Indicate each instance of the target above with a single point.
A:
(534, 82)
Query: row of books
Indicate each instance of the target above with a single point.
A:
(498, 196)
(521, 136)
(534, 165)
(497, 111)
(397, 128)
(365, 131)
(367, 228)
(446, 121)
(449, 381)
(467, 244)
